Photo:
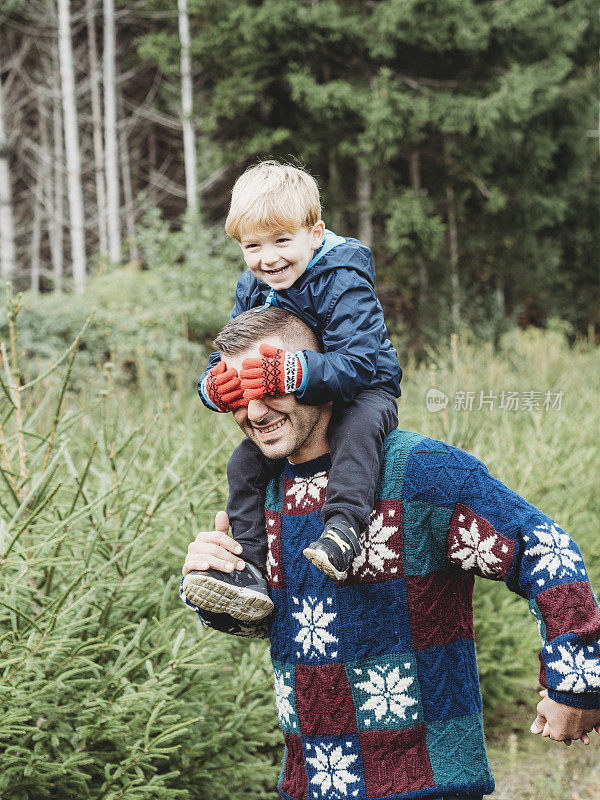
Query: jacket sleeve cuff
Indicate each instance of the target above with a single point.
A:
(590, 700)
(205, 398)
(304, 364)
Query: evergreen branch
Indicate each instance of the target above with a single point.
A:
(75, 348)
(25, 501)
(58, 603)
(3, 385)
(12, 487)
(72, 508)
(28, 522)
(13, 310)
(21, 614)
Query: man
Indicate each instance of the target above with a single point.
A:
(375, 676)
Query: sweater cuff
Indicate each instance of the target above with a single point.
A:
(590, 700)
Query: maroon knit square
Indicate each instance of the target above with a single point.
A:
(302, 495)
(275, 577)
(324, 700)
(440, 607)
(295, 777)
(475, 545)
(395, 761)
(569, 607)
(380, 558)
(542, 679)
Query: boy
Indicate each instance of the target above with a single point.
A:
(326, 280)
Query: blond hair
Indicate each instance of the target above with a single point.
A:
(273, 196)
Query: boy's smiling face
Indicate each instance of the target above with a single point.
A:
(279, 258)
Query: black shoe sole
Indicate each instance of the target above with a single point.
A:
(319, 558)
(210, 594)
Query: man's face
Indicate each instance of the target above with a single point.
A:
(281, 426)
(279, 258)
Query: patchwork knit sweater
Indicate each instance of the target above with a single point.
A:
(376, 677)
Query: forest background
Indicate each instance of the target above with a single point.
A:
(459, 139)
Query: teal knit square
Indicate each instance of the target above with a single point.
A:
(534, 608)
(456, 750)
(386, 692)
(424, 537)
(396, 451)
(274, 495)
(284, 676)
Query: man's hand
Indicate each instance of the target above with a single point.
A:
(214, 549)
(277, 372)
(564, 723)
(223, 388)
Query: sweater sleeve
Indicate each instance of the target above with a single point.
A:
(495, 533)
(353, 333)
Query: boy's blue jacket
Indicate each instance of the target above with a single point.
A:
(336, 298)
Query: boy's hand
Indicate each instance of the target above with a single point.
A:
(223, 388)
(564, 723)
(277, 372)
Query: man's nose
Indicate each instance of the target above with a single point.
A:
(257, 409)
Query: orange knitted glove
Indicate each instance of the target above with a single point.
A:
(277, 372)
(223, 388)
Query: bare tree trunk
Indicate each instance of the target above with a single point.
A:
(365, 221)
(97, 126)
(129, 207)
(57, 220)
(453, 243)
(41, 199)
(73, 157)
(499, 292)
(110, 134)
(414, 167)
(189, 143)
(8, 257)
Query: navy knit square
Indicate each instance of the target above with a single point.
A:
(316, 628)
(376, 620)
(334, 768)
(448, 680)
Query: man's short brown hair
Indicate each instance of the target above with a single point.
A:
(251, 327)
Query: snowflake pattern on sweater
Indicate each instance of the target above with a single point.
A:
(376, 676)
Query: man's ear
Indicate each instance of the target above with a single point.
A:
(317, 234)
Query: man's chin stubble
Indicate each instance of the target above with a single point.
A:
(293, 447)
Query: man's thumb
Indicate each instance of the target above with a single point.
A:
(537, 726)
(222, 522)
